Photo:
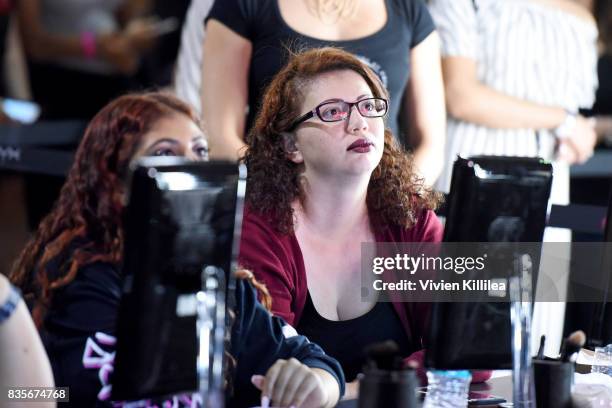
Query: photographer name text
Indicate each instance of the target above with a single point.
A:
(440, 286)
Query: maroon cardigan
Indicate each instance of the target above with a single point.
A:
(276, 260)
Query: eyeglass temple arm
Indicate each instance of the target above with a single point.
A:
(301, 119)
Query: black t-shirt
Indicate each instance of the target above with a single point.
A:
(79, 336)
(346, 340)
(387, 51)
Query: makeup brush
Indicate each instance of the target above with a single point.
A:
(572, 346)
(384, 356)
(540, 355)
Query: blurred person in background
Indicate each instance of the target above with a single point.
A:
(81, 53)
(158, 65)
(602, 109)
(517, 90)
(516, 74)
(248, 42)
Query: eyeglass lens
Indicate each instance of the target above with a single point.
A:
(336, 111)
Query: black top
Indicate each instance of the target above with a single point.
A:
(387, 51)
(603, 99)
(79, 339)
(345, 340)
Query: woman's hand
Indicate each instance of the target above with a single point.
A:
(289, 383)
(352, 390)
(142, 33)
(116, 48)
(578, 146)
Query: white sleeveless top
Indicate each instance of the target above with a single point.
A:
(188, 73)
(524, 49)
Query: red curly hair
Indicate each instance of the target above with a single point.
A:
(85, 225)
(395, 193)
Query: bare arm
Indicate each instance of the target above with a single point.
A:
(118, 48)
(24, 361)
(39, 44)
(469, 100)
(425, 101)
(603, 128)
(227, 57)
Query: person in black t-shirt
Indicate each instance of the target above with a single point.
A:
(70, 271)
(248, 41)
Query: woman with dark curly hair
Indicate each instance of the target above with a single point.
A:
(325, 176)
(71, 270)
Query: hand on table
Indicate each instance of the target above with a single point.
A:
(289, 383)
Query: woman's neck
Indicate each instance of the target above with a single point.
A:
(333, 209)
(332, 10)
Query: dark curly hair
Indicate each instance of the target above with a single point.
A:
(85, 225)
(395, 193)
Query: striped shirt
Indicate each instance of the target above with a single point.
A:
(188, 76)
(524, 49)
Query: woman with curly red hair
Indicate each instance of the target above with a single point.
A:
(70, 271)
(85, 222)
(326, 175)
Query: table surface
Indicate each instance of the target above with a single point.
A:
(500, 387)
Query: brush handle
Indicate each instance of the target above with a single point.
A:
(569, 350)
(540, 355)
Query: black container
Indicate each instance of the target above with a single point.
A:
(387, 388)
(553, 383)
